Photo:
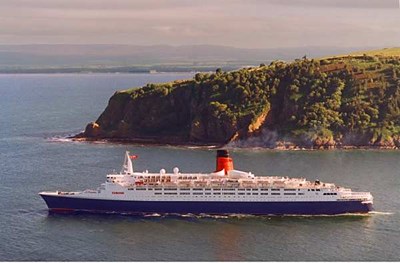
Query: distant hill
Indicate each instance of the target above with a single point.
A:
(346, 101)
(125, 58)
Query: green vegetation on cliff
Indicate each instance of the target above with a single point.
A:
(338, 101)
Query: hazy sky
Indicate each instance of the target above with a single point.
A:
(249, 24)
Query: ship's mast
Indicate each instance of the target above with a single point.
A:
(127, 168)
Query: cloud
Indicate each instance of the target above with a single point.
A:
(251, 24)
(339, 3)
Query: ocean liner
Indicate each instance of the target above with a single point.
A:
(225, 191)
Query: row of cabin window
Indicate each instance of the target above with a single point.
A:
(216, 189)
(330, 193)
(228, 193)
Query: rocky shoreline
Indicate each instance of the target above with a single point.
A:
(280, 146)
(148, 140)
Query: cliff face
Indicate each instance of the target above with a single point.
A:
(150, 111)
(337, 102)
(166, 113)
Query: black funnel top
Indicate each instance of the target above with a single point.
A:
(222, 153)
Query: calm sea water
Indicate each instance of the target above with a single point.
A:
(35, 109)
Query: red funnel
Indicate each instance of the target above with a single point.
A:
(224, 161)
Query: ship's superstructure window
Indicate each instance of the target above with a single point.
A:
(275, 194)
(274, 189)
(330, 193)
(184, 193)
(289, 193)
(264, 193)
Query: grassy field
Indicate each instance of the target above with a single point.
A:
(393, 51)
(387, 52)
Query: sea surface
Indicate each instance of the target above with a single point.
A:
(38, 111)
